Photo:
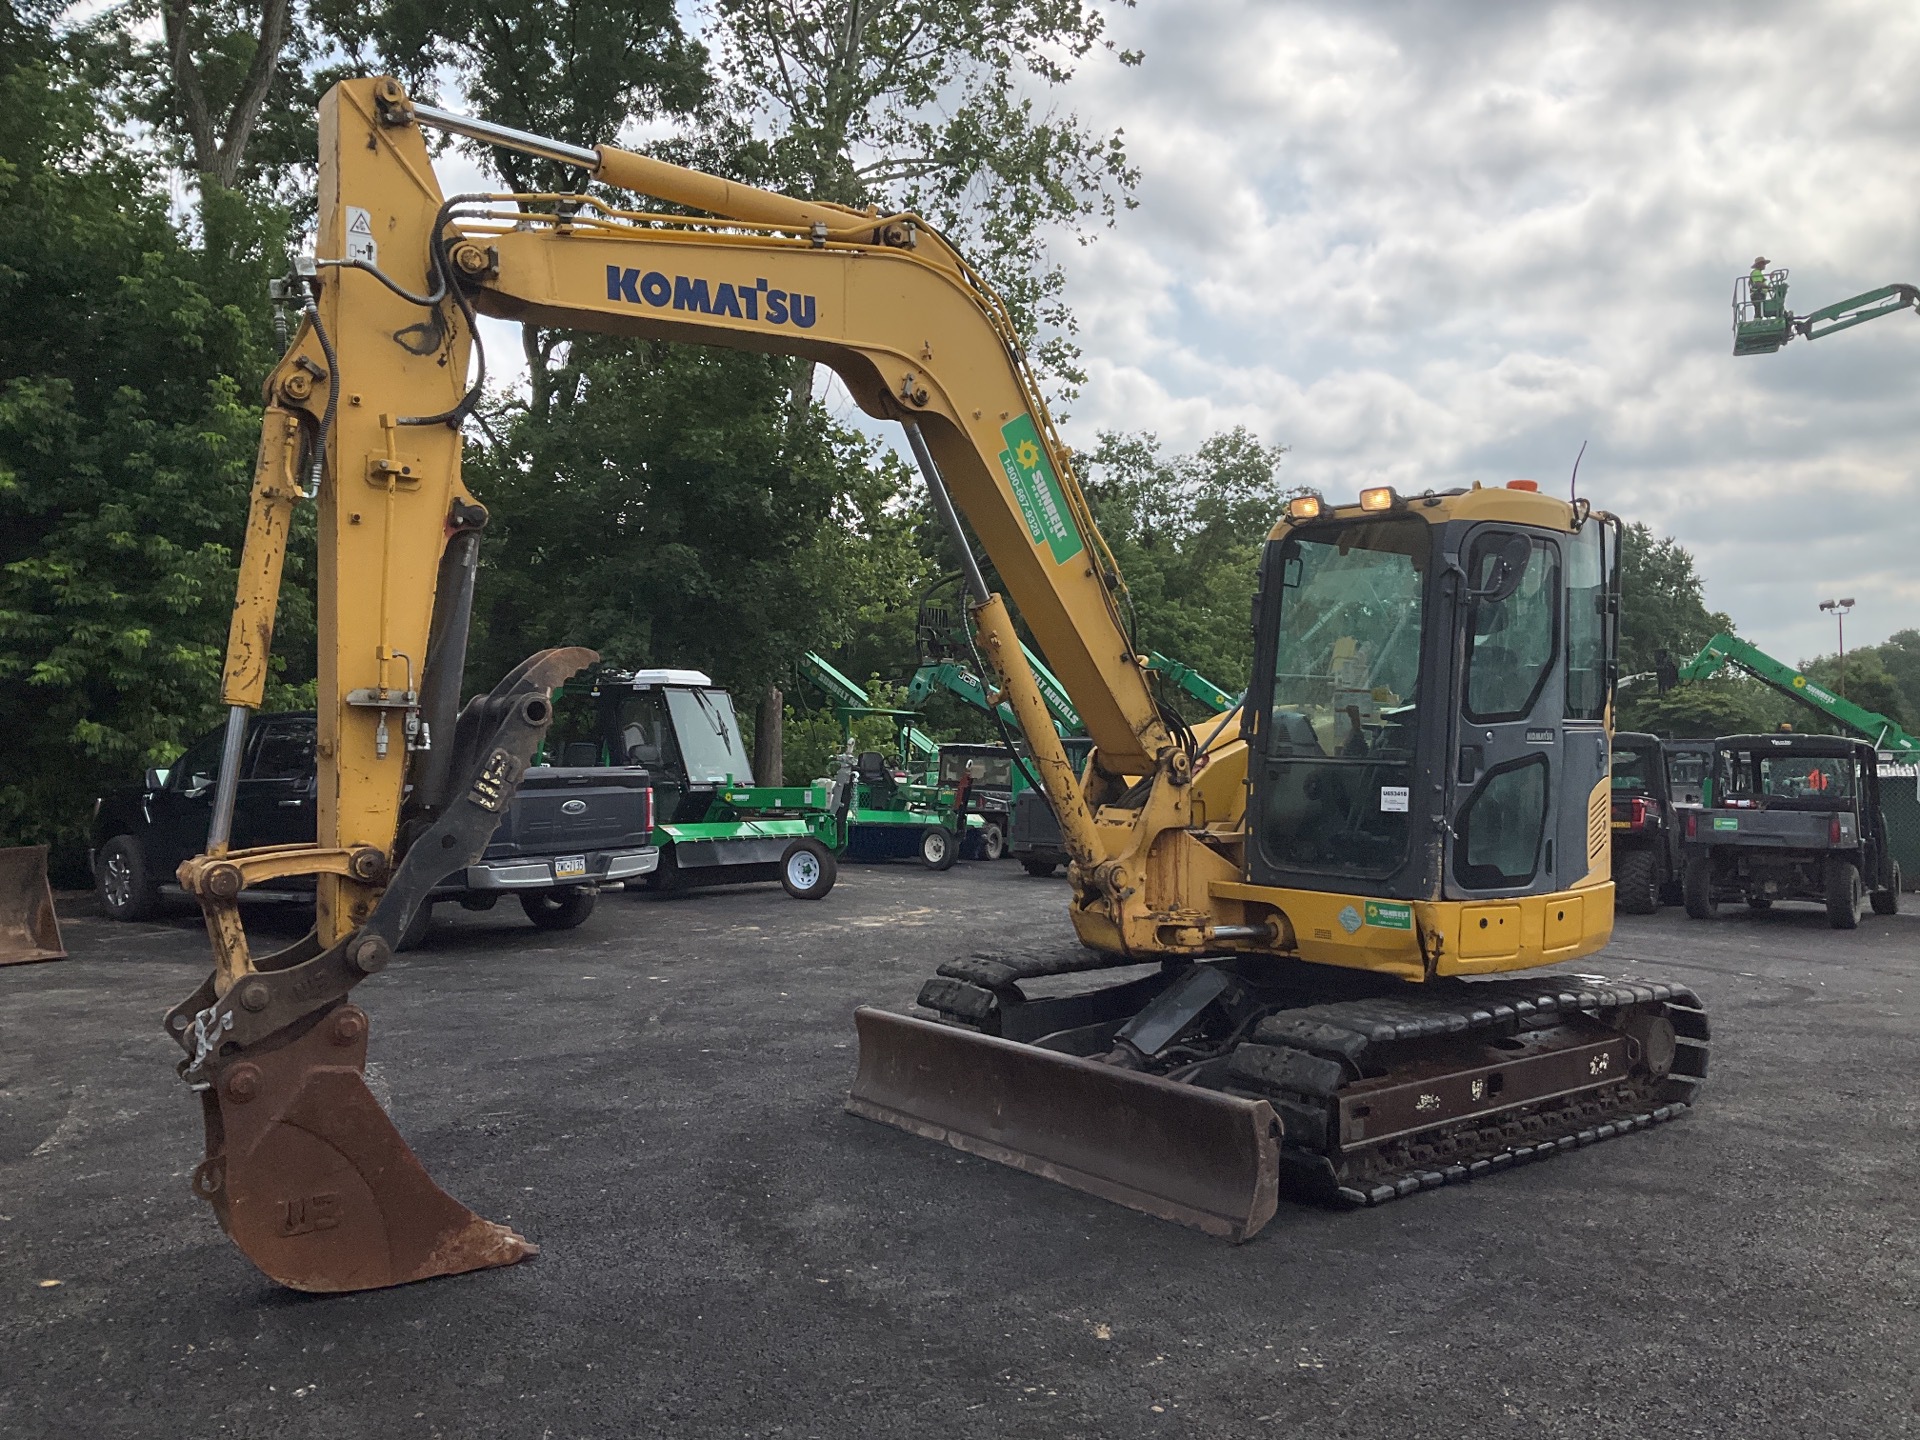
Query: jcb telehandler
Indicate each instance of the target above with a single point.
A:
(1417, 792)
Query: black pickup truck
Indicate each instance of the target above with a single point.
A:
(1791, 817)
(569, 830)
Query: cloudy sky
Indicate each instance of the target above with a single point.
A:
(1430, 244)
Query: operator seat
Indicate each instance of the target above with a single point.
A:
(873, 772)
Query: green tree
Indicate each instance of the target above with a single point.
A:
(1703, 709)
(662, 514)
(1662, 605)
(929, 105)
(1187, 531)
(127, 433)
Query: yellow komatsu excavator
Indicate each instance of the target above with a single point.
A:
(1415, 791)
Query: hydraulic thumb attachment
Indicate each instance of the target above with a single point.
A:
(303, 1168)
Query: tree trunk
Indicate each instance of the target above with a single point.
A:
(769, 739)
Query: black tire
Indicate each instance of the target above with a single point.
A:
(419, 929)
(565, 908)
(1843, 894)
(1887, 902)
(808, 870)
(938, 848)
(1636, 883)
(993, 840)
(1759, 904)
(1039, 869)
(1696, 888)
(126, 890)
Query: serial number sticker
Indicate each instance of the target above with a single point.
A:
(1394, 799)
(1387, 915)
(570, 867)
(493, 786)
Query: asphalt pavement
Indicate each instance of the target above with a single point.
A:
(655, 1098)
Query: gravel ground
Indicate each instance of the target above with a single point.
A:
(655, 1098)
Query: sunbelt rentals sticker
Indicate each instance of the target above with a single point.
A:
(1389, 915)
(1036, 489)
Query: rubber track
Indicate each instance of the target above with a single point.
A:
(1348, 1031)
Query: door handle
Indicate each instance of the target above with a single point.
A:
(284, 803)
(1469, 770)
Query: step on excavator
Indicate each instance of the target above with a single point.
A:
(1305, 912)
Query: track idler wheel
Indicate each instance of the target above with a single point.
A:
(311, 1180)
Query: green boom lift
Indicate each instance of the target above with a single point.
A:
(1723, 650)
(1762, 323)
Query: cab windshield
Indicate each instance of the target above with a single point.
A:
(709, 736)
(1343, 713)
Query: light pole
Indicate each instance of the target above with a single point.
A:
(1840, 609)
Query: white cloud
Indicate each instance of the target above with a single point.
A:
(1435, 244)
(1439, 244)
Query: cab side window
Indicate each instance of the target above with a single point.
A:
(195, 772)
(1513, 641)
(285, 752)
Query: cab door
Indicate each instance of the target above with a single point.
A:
(1510, 758)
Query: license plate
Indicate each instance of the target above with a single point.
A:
(570, 867)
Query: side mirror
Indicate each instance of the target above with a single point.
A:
(156, 778)
(1510, 555)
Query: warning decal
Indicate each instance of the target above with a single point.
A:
(360, 242)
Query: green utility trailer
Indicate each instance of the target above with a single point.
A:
(899, 814)
(713, 825)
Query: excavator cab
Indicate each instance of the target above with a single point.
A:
(1433, 690)
(1761, 321)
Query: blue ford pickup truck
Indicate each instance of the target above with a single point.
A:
(569, 831)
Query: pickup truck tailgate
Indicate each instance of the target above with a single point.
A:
(564, 808)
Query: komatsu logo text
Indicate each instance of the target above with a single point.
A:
(758, 301)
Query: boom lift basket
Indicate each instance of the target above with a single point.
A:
(29, 930)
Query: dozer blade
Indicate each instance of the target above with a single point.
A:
(311, 1180)
(1179, 1152)
(29, 929)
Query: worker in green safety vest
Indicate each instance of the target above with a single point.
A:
(1757, 286)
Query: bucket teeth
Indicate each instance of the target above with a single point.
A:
(311, 1180)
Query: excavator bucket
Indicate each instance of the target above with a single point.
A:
(1179, 1152)
(29, 930)
(311, 1180)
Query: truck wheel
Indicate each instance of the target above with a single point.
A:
(993, 841)
(1887, 902)
(1843, 894)
(937, 848)
(1636, 883)
(561, 909)
(808, 870)
(1696, 888)
(1039, 869)
(126, 891)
